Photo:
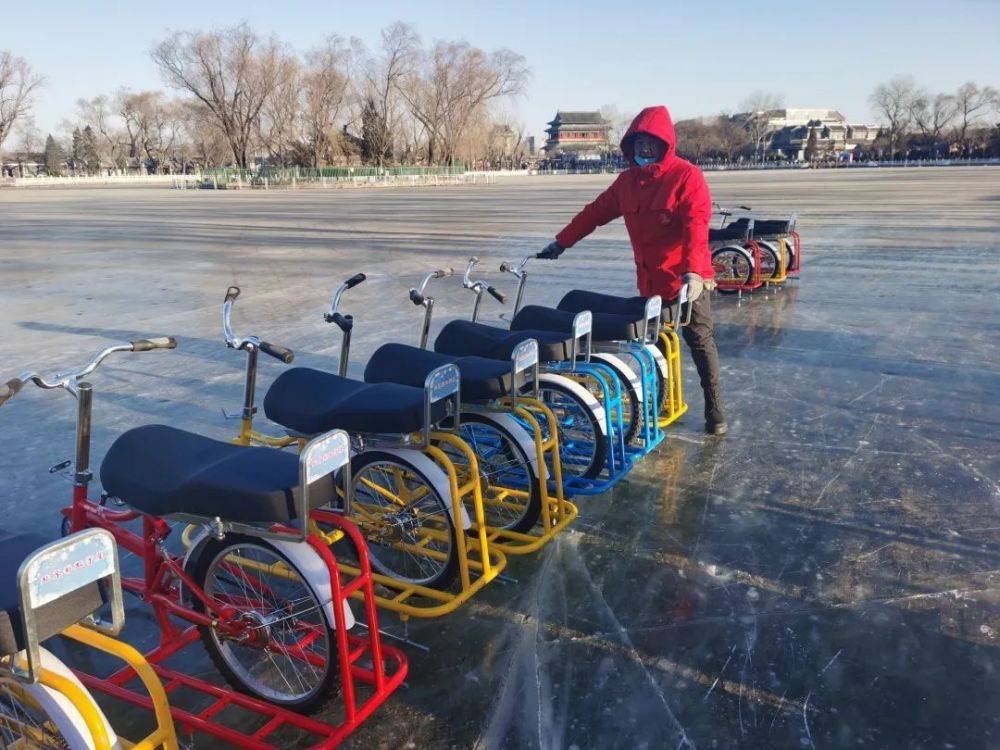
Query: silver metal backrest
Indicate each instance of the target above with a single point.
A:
(654, 307)
(322, 456)
(583, 324)
(678, 315)
(523, 357)
(58, 570)
(441, 383)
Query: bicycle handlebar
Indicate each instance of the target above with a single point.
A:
(234, 342)
(9, 389)
(68, 380)
(278, 352)
(478, 285)
(335, 317)
(417, 296)
(148, 345)
(517, 270)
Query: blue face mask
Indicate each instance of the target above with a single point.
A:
(643, 160)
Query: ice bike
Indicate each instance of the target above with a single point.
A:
(415, 492)
(257, 585)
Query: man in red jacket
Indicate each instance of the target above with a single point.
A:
(667, 209)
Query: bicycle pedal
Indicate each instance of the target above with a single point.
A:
(60, 466)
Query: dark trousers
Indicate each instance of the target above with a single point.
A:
(700, 338)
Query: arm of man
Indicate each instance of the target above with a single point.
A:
(605, 208)
(696, 214)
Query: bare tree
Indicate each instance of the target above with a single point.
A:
(380, 79)
(278, 125)
(893, 103)
(932, 114)
(455, 85)
(619, 123)
(326, 95)
(971, 103)
(231, 71)
(99, 114)
(17, 84)
(757, 109)
(153, 125)
(203, 143)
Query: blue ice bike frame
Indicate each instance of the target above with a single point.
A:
(602, 383)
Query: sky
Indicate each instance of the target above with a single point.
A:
(697, 57)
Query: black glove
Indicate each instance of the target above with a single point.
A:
(552, 251)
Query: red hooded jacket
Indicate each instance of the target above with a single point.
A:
(667, 209)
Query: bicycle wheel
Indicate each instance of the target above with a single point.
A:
(25, 723)
(503, 465)
(631, 397)
(733, 266)
(38, 717)
(404, 519)
(583, 447)
(285, 652)
(770, 260)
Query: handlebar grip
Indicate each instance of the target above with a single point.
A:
(745, 208)
(9, 389)
(505, 267)
(496, 295)
(416, 297)
(355, 280)
(148, 345)
(232, 293)
(442, 273)
(278, 352)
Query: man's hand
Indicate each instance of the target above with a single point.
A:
(552, 251)
(696, 285)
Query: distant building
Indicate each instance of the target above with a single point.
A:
(529, 145)
(809, 134)
(579, 135)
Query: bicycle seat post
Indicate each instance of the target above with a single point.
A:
(84, 404)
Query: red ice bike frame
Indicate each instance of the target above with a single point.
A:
(164, 576)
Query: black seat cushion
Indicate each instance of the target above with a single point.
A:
(50, 618)
(762, 227)
(464, 338)
(737, 231)
(579, 300)
(481, 379)
(606, 326)
(312, 401)
(161, 470)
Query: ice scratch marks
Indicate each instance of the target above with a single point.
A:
(805, 721)
(598, 596)
(829, 663)
(721, 672)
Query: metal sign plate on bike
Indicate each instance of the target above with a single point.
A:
(63, 568)
(326, 454)
(442, 382)
(582, 324)
(525, 355)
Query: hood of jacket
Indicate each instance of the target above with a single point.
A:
(654, 121)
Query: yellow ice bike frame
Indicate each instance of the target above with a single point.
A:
(673, 406)
(55, 571)
(478, 561)
(556, 511)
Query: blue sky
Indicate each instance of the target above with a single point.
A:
(695, 57)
